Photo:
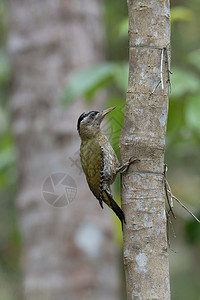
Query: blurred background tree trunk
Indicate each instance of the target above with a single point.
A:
(68, 252)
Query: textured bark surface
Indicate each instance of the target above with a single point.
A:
(68, 253)
(143, 136)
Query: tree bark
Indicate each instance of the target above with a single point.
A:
(143, 136)
(68, 252)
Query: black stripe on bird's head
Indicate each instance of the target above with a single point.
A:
(92, 117)
(89, 122)
(86, 116)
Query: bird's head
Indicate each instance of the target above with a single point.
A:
(89, 122)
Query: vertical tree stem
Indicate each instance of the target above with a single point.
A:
(143, 136)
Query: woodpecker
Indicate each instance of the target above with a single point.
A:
(98, 159)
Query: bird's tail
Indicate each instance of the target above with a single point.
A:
(107, 198)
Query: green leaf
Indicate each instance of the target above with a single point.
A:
(7, 157)
(121, 76)
(123, 28)
(112, 125)
(87, 81)
(175, 117)
(5, 69)
(181, 13)
(192, 230)
(184, 82)
(192, 112)
(194, 58)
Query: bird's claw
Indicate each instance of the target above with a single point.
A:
(133, 160)
(122, 169)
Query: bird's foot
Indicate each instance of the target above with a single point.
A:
(123, 168)
(133, 160)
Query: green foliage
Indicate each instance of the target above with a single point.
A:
(86, 82)
(194, 59)
(117, 46)
(115, 121)
(5, 71)
(181, 13)
(192, 112)
(123, 28)
(9, 234)
(192, 230)
(184, 82)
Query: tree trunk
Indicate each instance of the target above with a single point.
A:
(68, 252)
(143, 136)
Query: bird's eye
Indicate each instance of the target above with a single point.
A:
(93, 115)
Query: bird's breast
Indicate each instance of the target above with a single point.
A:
(99, 162)
(110, 161)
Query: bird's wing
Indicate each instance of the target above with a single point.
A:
(93, 164)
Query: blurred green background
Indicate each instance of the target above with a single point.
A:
(182, 141)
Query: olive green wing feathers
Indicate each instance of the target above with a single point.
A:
(93, 163)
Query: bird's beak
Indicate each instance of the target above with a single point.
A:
(106, 111)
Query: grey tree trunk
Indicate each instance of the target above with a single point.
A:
(68, 252)
(143, 136)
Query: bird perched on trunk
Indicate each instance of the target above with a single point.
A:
(98, 159)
